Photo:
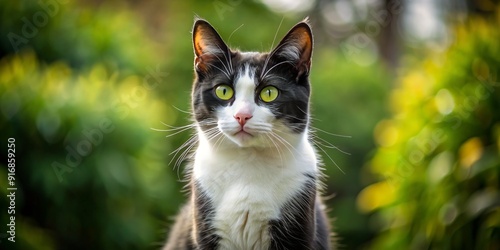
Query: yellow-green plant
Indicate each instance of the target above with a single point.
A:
(437, 165)
(88, 165)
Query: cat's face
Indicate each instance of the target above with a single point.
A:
(252, 99)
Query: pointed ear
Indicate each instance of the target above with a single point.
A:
(296, 46)
(208, 45)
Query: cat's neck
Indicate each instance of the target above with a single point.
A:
(287, 156)
(253, 185)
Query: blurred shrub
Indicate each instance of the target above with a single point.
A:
(347, 102)
(438, 160)
(78, 34)
(91, 174)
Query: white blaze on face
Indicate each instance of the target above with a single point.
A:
(257, 119)
(244, 103)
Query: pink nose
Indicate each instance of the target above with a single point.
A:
(242, 118)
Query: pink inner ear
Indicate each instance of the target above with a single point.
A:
(297, 47)
(199, 41)
(197, 64)
(206, 40)
(207, 45)
(304, 41)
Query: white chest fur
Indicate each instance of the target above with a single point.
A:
(248, 187)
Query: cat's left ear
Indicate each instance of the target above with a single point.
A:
(208, 45)
(297, 46)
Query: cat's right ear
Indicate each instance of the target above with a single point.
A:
(208, 45)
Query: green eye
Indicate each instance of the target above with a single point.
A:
(269, 94)
(224, 92)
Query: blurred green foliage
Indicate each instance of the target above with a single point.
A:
(438, 160)
(81, 95)
(77, 179)
(79, 35)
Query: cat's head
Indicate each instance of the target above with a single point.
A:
(253, 99)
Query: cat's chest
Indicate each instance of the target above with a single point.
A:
(243, 208)
(242, 216)
(247, 191)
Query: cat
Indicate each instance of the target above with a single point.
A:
(253, 178)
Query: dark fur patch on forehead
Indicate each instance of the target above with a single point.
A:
(291, 106)
(252, 59)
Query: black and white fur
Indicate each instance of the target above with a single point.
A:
(253, 185)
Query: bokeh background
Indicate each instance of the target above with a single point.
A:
(406, 113)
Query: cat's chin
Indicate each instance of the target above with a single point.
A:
(243, 135)
(245, 139)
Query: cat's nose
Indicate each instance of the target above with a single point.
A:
(242, 117)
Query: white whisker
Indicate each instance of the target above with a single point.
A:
(327, 155)
(267, 60)
(190, 141)
(177, 131)
(269, 70)
(332, 134)
(226, 74)
(231, 35)
(229, 71)
(183, 111)
(285, 143)
(276, 34)
(327, 144)
(219, 141)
